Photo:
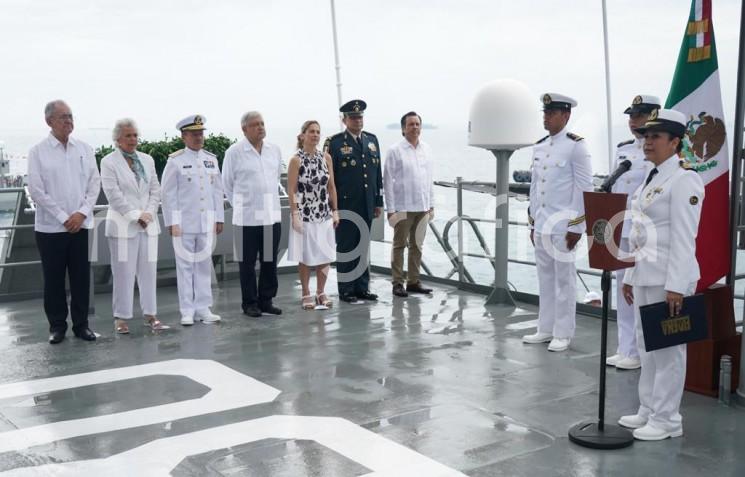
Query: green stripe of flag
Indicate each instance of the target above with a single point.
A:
(689, 76)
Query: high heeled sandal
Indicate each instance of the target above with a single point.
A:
(323, 301)
(307, 305)
(153, 323)
(121, 327)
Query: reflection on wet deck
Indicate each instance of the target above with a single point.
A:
(443, 376)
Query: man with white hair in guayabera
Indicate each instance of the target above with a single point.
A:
(64, 183)
(251, 171)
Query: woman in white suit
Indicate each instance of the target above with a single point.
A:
(129, 180)
(665, 213)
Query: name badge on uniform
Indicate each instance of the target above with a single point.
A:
(346, 149)
(372, 147)
(209, 165)
(188, 166)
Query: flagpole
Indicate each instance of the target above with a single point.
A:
(736, 184)
(608, 109)
(337, 66)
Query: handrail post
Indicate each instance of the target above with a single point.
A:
(459, 185)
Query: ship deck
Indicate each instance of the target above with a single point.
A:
(424, 386)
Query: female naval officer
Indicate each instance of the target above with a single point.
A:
(665, 214)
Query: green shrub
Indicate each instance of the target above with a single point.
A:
(217, 144)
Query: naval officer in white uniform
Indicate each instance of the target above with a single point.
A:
(627, 355)
(665, 216)
(193, 212)
(561, 172)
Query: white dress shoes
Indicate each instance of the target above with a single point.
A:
(628, 362)
(651, 433)
(633, 421)
(206, 316)
(612, 360)
(537, 338)
(187, 320)
(559, 344)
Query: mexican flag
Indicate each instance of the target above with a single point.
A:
(696, 93)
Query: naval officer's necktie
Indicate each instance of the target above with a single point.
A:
(650, 176)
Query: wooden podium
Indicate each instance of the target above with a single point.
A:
(604, 213)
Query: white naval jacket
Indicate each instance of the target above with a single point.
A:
(631, 180)
(192, 193)
(665, 216)
(561, 171)
(128, 199)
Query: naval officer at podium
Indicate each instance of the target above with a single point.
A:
(664, 222)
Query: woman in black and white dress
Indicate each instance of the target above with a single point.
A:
(310, 183)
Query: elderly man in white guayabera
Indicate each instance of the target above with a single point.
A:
(64, 183)
(561, 172)
(131, 186)
(251, 173)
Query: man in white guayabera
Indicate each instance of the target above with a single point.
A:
(561, 172)
(193, 211)
(64, 183)
(251, 173)
(409, 200)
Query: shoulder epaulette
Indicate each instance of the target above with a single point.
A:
(542, 139)
(209, 153)
(176, 153)
(625, 143)
(574, 137)
(370, 134)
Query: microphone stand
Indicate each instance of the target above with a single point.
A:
(598, 434)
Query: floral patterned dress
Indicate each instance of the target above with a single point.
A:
(316, 244)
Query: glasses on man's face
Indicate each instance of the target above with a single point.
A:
(65, 117)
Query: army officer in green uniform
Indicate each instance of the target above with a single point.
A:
(359, 183)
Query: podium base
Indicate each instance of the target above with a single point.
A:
(587, 434)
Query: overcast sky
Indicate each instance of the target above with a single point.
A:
(159, 60)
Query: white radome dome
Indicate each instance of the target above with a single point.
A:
(504, 115)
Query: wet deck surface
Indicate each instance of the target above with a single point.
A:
(424, 386)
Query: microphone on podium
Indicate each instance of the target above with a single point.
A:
(622, 168)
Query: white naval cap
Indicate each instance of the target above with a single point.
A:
(195, 122)
(643, 103)
(592, 296)
(557, 101)
(666, 120)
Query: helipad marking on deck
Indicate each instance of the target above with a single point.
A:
(522, 325)
(229, 389)
(158, 458)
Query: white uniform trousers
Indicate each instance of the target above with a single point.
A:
(625, 320)
(557, 286)
(663, 371)
(194, 271)
(133, 258)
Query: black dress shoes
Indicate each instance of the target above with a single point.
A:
(348, 297)
(366, 295)
(418, 288)
(271, 309)
(252, 310)
(56, 337)
(86, 335)
(398, 290)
